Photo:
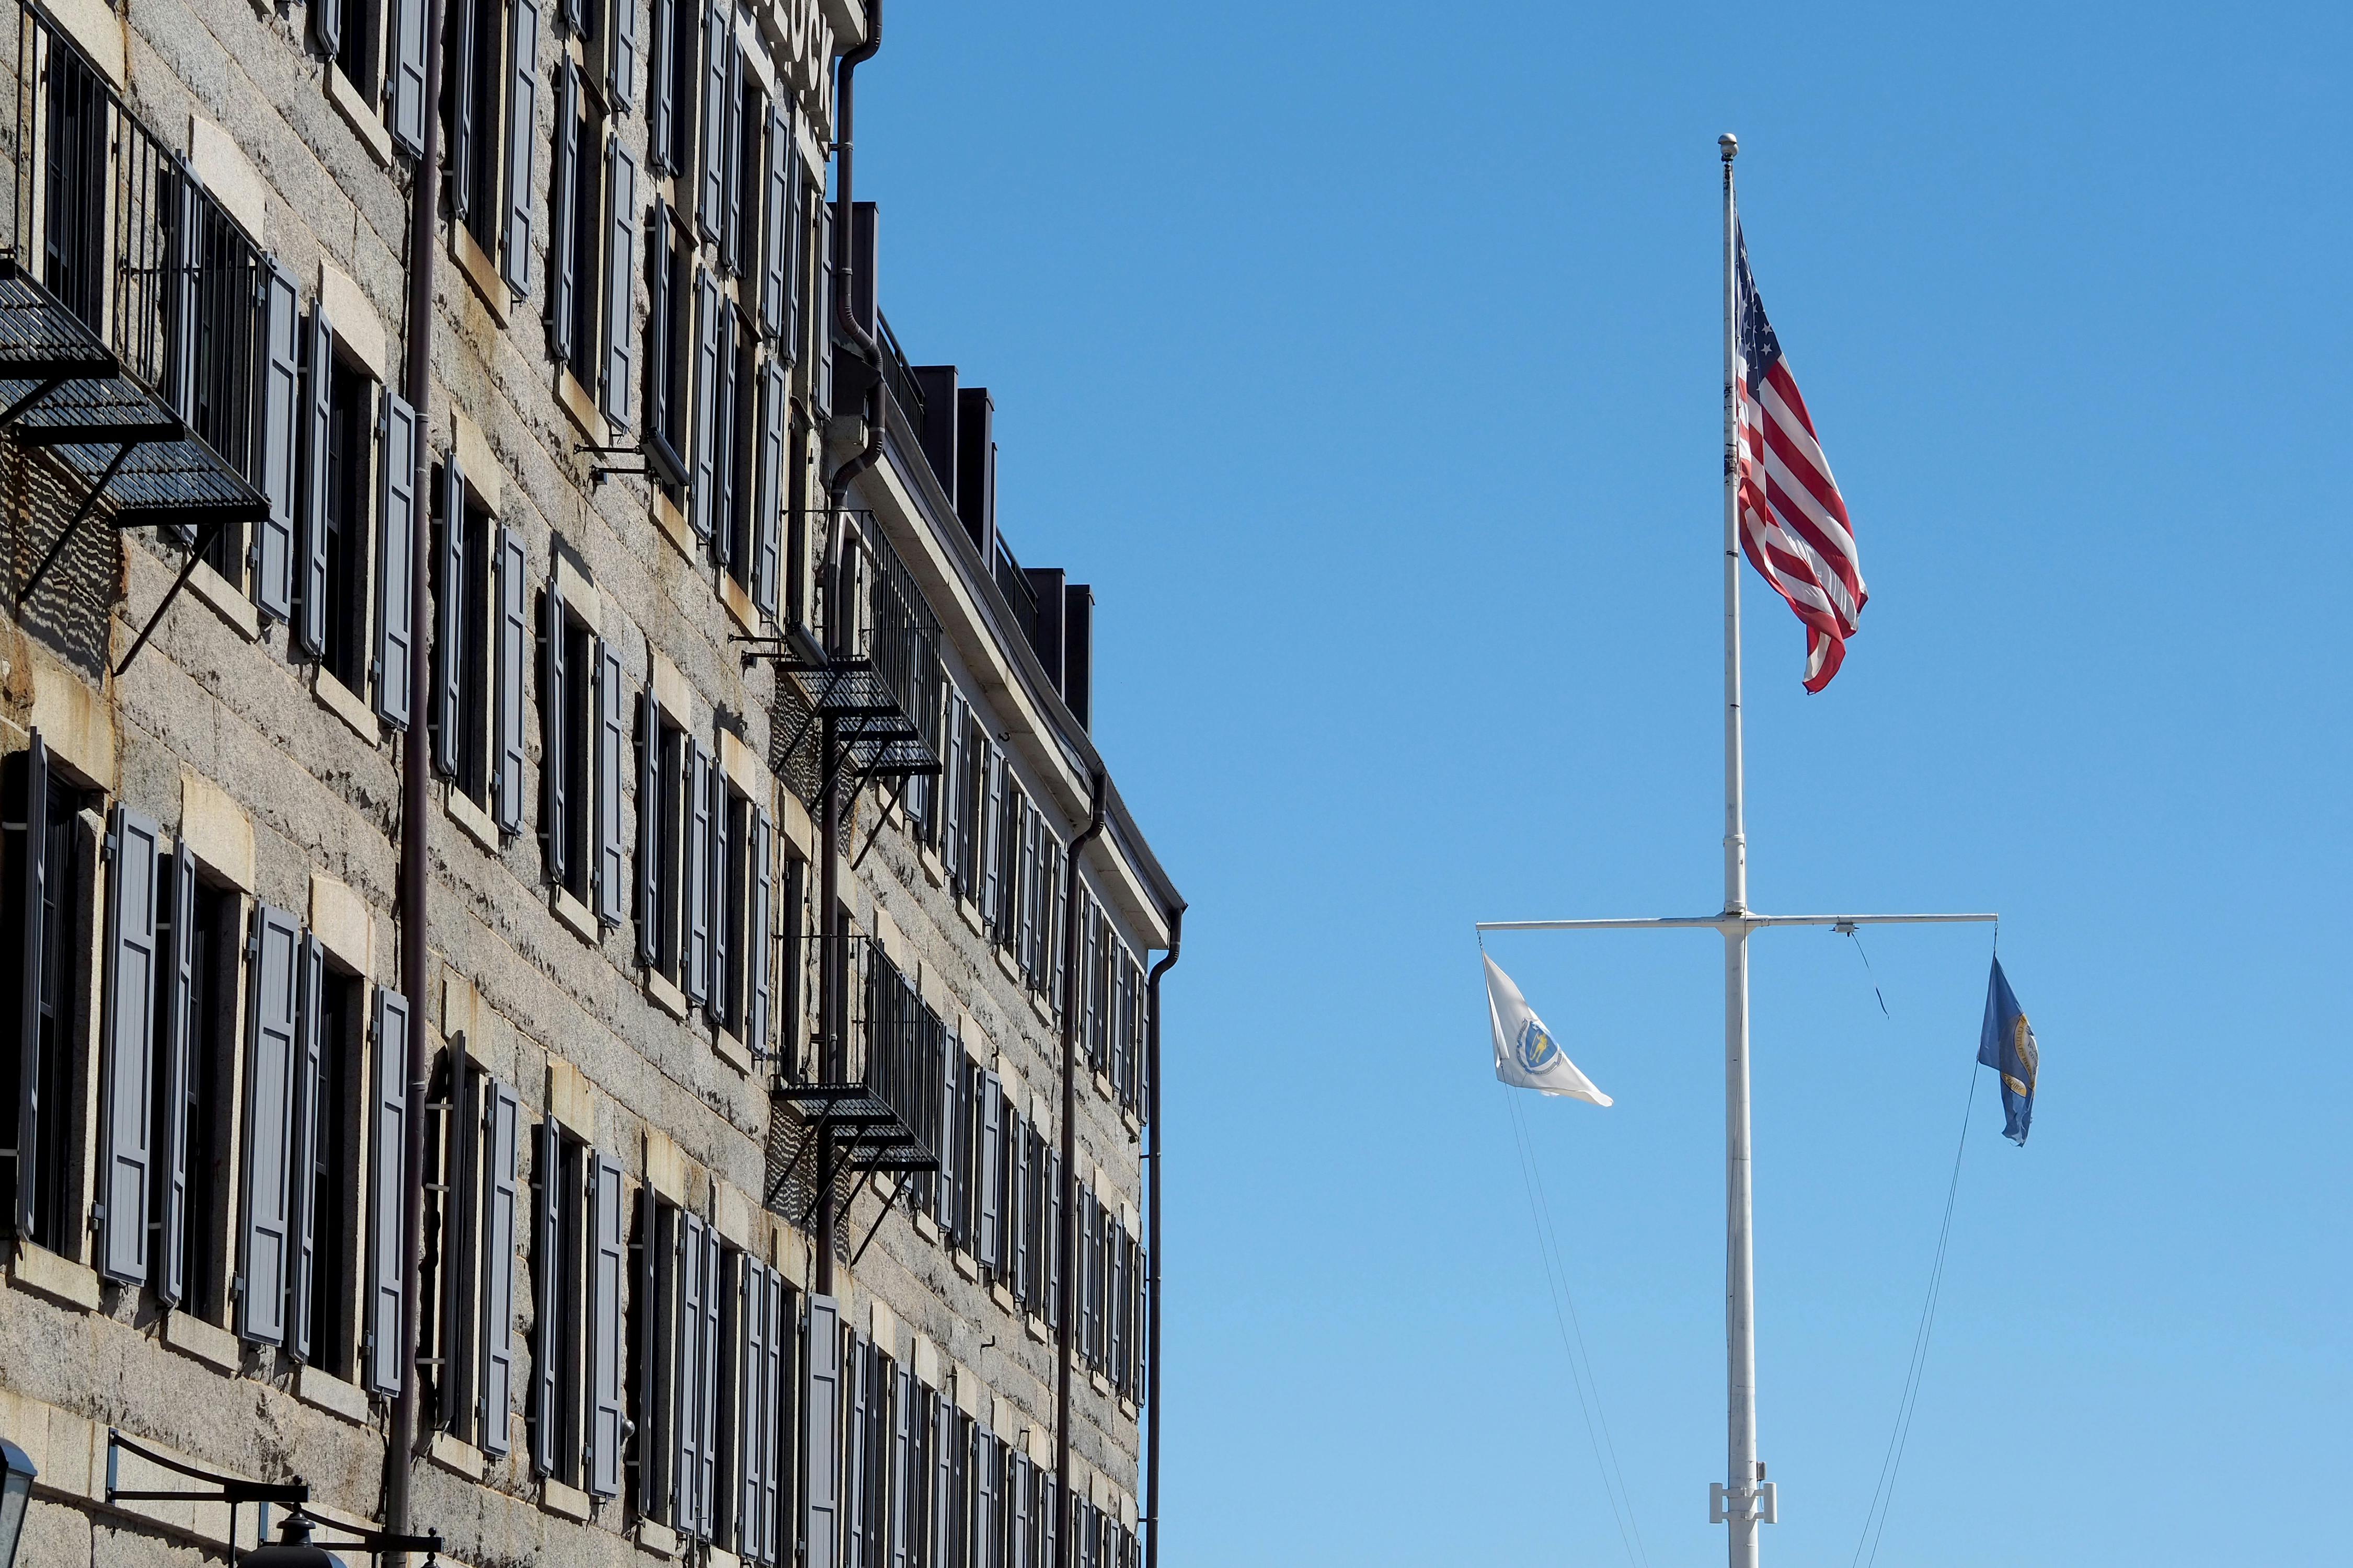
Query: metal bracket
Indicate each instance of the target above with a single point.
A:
(1725, 1505)
(188, 570)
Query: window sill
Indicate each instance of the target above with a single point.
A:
(1101, 1383)
(1038, 1329)
(666, 996)
(582, 406)
(673, 525)
(659, 1539)
(927, 1227)
(195, 1338)
(936, 873)
(965, 1265)
(459, 1458)
(1039, 1006)
(971, 914)
(479, 270)
(731, 1051)
(364, 121)
(567, 1503)
(226, 602)
(472, 819)
(331, 1395)
(62, 1279)
(347, 705)
(1004, 961)
(1128, 1407)
(575, 916)
(1002, 1297)
(739, 603)
(1134, 1123)
(1102, 1085)
(720, 1557)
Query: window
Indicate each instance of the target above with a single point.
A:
(192, 1182)
(670, 339)
(48, 895)
(481, 638)
(346, 34)
(338, 455)
(742, 999)
(490, 98)
(577, 1263)
(470, 1252)
(580, 762)
(333, 1111)
(680, 1388)
(758, 1329)
(670, 90)
(674, 826)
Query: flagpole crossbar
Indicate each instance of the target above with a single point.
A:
(1730, 921)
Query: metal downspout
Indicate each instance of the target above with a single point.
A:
(424, 245)
(1152, 1240)
(845, 252)
(1066, 1287)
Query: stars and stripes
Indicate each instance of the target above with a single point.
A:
(1793, 522)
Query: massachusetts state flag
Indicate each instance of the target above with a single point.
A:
(1793, 524)
(1526, 1056)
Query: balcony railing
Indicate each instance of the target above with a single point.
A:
(880, 1107)
(878, 679)
(897, 374)
(134, 309)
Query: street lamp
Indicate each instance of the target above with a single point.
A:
(292, 1549)
(16, 1475)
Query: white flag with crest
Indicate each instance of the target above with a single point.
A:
(1526, 1056)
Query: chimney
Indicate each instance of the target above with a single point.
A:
(1079, 652)
(1046, 636)
(937, 382)
(975, 466)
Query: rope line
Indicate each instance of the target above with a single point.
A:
(1572, 1340)
(1907, 1403)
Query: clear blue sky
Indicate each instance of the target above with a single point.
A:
(1364, 358)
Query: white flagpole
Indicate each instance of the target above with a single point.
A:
(1740, 1487)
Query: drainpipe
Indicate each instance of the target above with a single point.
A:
(834, 951)
(1065, 1289)
(1152, 1240)
(423, 244)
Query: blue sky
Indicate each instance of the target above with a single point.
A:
(1365, 359)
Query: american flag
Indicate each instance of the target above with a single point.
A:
(1793, 524)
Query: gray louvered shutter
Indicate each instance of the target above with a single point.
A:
(408, 121)
(821, 1434)
(649, 749)
(606, 1345)
(547, 1265)
(514, 641)
(463, 42)
(387, 1199)
(620, 249)
(686, 1373)
(621, 54)
(129, 1036)
(706, 405)
(660, 311)
(1058, 1248)
(772, 1415)
(944, 1185)
(648, 1309)
(768, 494)
(1022, 1199)
(732, 247)
(759, 1027)
(522, 130)
(612, 743)
(718, 47)
(555, 715)
(991, 1131)
(661, 90)
(273, 546)
(695, 962)
(750, 1399)
(269, 1051)
(984, 1498)
(796, 236)
(1017, 1488)
(395, 578)
(943, 1517)
(1115, 1302)
(726, 417)
(170, 1143)
(563, 207)
(502, 1114)
(718, 893)
(451, 611)
(902, 1440)
(457, 1258)
(303, 1163)
(776, 188)
(318, 422)
(853, 1455)
(706, 1488)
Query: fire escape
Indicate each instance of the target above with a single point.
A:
(868, 683)
(135, 316)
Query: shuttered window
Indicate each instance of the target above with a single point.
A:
(501, 1131)
(564, 209)
(387, 1346)
(767, 498)
(273, 562)
(686, 1356)
(395, 656)
(272, 957)
(129, 1034)
(605, 1343)
(456, 1236)
(572, 740)
(513, 632)
(454, 610)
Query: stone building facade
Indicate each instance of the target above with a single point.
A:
(714, 1198)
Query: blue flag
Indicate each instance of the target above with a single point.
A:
(2007, 1045)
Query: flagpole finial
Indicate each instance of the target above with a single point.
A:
(1731, 145)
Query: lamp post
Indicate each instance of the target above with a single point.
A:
(292, 1549)
(17, 1473)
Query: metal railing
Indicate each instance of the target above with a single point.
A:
(897, 1045)
(117, 227)
(1014, 584)
(897, 374)
(874, 613)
